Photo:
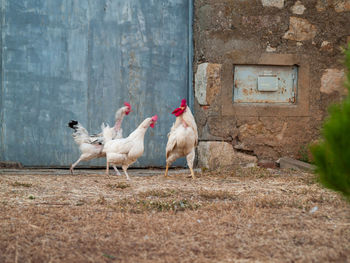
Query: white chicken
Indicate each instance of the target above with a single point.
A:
(124, 152)
(91, 145)
(182, 138)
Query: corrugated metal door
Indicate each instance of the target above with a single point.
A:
(81, 60)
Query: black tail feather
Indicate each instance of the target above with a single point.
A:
(72, 124)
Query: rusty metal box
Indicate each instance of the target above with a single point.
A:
(265, 84)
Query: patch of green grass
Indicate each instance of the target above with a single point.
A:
(120, 185)
(109, 256)
(20, 184)
(31, 197)
(303, 153)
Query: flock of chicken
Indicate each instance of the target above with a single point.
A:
(119, 151)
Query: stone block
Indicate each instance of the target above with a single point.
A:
(213, 154)
(327, 46)
(290, 163)
(207, 83)
(342, 6)
(300, 29)
(213, 82)
(338, 5)
(321, 5)
(270, 49)
(332, 80)
(273, 3)
(298, 8)
(200, 87)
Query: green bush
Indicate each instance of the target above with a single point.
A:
(332, 153)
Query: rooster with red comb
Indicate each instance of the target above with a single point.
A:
(182, 138)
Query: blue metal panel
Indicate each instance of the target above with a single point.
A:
(190, 55)
(2, 151)
(265, 84)
(81, 60)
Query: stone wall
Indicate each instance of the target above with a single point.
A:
(308, 33)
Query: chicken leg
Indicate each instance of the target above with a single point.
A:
(107, 168)
(73, 165)
(190, 160)
(116, 170)
(166, 170)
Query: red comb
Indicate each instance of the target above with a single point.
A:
(155, 118)
(127, 104)
(177, 112)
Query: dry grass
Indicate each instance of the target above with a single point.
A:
(120, 185)
(20, 184)
(243, 215)
(216, 194)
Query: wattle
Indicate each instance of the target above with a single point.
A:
(177, 112)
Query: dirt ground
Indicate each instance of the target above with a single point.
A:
(236, 215)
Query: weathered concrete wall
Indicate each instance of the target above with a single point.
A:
(308, 33)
